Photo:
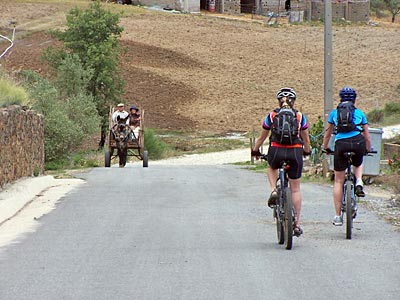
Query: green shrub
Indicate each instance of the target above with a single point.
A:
(55, 165)
(11, 94)
(392, 108)
(67, 120)
(316, 133)
(375, 116)
(36, 172)
(84, 160)
(394, 164)
(155, 146)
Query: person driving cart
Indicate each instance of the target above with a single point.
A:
(120, 114)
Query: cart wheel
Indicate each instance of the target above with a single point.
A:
(145, 159)
(107, 159)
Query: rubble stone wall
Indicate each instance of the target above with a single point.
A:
(391, 150)
(21, 144)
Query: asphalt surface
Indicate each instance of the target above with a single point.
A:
(194, 232)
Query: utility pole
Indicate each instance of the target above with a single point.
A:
(328, 95)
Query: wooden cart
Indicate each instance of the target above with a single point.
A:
(133, 148)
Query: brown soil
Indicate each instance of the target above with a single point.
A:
(220, 73)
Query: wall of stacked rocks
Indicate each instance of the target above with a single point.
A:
(21, 144)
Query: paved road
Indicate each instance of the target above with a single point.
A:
(194, 232)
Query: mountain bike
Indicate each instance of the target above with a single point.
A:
(284, 212)
(349, 198)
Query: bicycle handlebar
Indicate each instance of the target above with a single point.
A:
(330, 152)
(371, 152)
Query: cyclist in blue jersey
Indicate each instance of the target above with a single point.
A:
(356, 140)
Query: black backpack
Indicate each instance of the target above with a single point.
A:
(345, 117)
(285, 127)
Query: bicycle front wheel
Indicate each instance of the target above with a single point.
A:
(288, 219)
(349, 209)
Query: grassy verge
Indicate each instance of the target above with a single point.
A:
(160, 144)
(181, 142)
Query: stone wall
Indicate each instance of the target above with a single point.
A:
(391, 150)
(21, 144)
(354, 11)
(192, 6)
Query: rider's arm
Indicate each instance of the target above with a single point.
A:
(261, 139)
(367, 137)
(304, 134)
(306, 140)
(264, 134)
(327, 135)
(114, 116)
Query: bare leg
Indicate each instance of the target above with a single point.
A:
(272, 177)
(338, 191)
(358, 171)
(296, 197)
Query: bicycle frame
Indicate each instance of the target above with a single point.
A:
(349, 197)
(283, 182)
(284, 212)
(349, 177)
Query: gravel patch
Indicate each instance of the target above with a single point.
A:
(215, 158)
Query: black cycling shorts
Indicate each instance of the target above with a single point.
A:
(294, 155)
(354, 144)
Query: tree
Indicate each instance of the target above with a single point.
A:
(394, 7)
(69, 113)
(93, 35)
(378, 5)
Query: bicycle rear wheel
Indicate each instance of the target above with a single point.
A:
(349, 210)
(288, 219)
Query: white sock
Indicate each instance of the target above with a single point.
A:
(359, 182)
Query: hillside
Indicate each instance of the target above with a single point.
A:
(221, 74)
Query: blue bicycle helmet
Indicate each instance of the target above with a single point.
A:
(347, 94)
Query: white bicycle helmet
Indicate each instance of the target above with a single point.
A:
(286, 92)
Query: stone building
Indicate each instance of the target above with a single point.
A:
(352, 10)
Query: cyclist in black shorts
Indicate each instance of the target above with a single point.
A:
(356, 140)
(278, 152)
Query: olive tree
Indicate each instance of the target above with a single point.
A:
(394, 7)
(93, 35)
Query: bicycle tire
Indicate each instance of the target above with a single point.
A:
(279, 225)
(349, 209)
(288, 219)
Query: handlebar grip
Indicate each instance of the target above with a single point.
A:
(372, 152)
(328, 151)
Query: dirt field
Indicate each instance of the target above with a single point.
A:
(206, 73)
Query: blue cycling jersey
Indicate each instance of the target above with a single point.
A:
(359, 119)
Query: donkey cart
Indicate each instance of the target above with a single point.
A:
(122, 142)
